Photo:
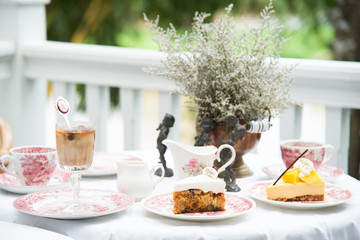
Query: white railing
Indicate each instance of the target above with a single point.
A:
(101, 67)
(27, 63)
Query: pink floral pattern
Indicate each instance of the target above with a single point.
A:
(59, 179)
(336, 193)
(34, 150)
(52, 203)
(291, 150)
(37, 169)
(193, 167)
(33, 165)
(163, 205)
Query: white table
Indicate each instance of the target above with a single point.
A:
(264, 222)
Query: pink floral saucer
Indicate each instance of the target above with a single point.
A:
(104, 164)
(163, 205)
(52, 203)
(325, 171)
(334, 195)
(59, 179)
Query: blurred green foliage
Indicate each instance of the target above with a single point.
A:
(114, 22)
(120, 22)
(309, 43)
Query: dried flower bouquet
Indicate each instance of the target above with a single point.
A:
(225, 70)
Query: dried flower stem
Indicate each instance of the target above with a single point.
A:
(226, 71)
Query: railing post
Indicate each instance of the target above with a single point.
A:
(97, 108)
(337, 129)
(23, 101)
(130, 107)
(290, 123)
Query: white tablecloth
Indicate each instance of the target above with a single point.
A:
(19, 231)
(264, 222)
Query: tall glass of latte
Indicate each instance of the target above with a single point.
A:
(75, 149)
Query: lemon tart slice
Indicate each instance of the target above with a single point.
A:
(301, 183)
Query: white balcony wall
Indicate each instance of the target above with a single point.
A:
(28, 62)
(22, 102)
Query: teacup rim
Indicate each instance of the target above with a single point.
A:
(283, 142)
(32, 146)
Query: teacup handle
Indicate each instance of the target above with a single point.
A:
(154, 168)
(231, 160)
(2, 164)
(329, 153)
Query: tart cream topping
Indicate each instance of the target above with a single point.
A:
(206, 182)
(305, 166)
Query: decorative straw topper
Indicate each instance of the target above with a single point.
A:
(63, 106)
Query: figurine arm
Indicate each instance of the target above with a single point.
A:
(159, 127)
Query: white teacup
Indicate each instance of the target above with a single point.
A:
(32, 165)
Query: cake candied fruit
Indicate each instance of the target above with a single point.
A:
(202, 193)
(301, 183)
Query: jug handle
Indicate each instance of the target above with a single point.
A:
(154, 168)
(231, 160)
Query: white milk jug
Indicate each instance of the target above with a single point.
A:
(135, 178)
(191, 161)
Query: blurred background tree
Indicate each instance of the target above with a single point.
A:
(321, 29)
(120, 23)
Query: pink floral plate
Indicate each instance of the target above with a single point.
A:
(334, 195)
(104, 164)
(59, 179)
(163, 205)
(325, 171)
(52, 203)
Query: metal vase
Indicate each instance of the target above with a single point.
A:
(241, 146)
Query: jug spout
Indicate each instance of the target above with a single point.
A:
(121, 165)
(179, 148)
(176, 148)
(171, 143)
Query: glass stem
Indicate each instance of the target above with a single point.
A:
(75, 181)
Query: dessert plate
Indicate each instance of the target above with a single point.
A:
(163, 205)
(334, 195)
(59, 179)
(52, 203)
(325, 171)
(104, 164)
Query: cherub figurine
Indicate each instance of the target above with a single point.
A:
(234, 129)
(207, 124)
(164, 128)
